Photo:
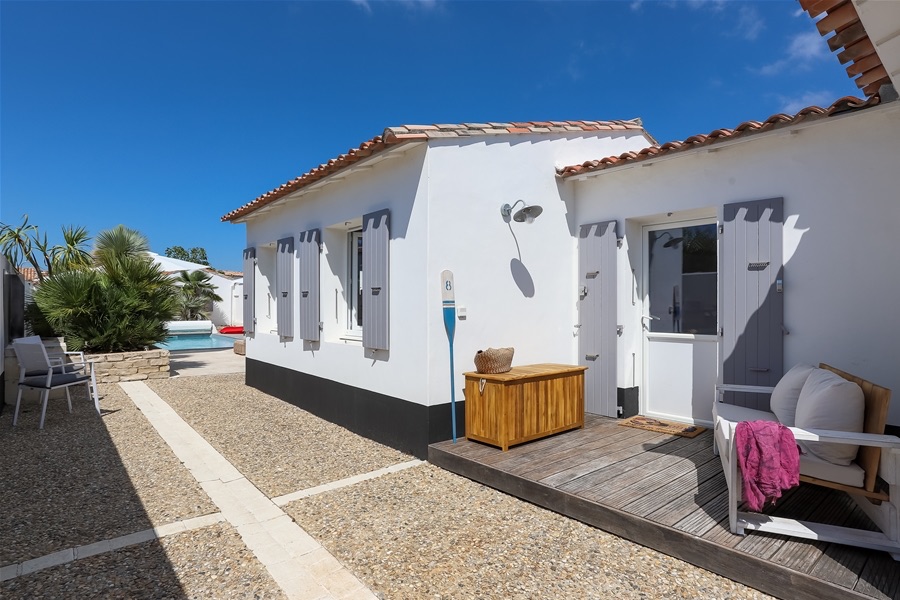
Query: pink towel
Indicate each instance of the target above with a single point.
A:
(769, 461)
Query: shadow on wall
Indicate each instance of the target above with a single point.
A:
(520, 274)
(522, 277)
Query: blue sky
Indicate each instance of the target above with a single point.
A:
(163, 116)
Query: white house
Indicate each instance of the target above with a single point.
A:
(739, 254)
(732, 256)
(227, 312)
(665, 269)
(342, 272)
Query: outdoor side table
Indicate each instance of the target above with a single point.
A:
(524, 404)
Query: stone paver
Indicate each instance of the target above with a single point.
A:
(336, 485)
(296, 561)
(80, 552)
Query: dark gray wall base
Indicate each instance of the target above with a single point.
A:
(397, 423)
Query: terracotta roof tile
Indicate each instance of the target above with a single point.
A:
(810, 113)
(394, 136)
(851, 39)
(29, 274)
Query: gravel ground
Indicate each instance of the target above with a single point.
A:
(204, 563)
(427, 533)
(83, 479)
(279, 447)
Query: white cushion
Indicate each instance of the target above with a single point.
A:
(828, 401)
(813, 466)
(736, 414)
(787, 393)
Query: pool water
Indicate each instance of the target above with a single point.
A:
(192, 341)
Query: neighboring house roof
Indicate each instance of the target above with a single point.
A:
(852, 40)
(29, 274)
(174, 265)
(226, 273)
(394, 136)
(747, 128)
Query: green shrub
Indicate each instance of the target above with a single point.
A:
(118, 306)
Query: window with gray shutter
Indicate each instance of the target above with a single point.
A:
(284, 284)
(376, 280)
(308, 254)
(249, 290)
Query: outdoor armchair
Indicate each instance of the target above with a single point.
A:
(38, 371)
(872, 478)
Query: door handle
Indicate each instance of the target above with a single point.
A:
(649, 318)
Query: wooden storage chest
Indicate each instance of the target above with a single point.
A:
(524, 404)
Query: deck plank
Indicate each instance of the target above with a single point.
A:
(673, 490)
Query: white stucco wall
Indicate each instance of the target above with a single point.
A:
(840, 182)
(395, 184)
(229, 310)
(516, 280)
(445, 214)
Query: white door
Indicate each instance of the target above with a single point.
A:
(680, 320)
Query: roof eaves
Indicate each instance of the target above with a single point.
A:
(851, 39)
(405, 134)
(747, 128)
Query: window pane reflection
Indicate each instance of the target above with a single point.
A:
(682, 280)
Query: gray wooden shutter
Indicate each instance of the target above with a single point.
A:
(284, 286)
(249, 290)
(753, 310)
(597, 335)
(376, 280)
(308, 254)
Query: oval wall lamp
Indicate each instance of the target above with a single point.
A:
(526, 214)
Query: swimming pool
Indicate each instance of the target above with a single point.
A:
(192, 341)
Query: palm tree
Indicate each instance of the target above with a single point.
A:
(119, 243)
(197, 294)
(118, 306)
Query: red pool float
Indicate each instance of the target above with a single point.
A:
(232, 329)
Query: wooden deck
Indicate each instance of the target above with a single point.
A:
(668, 493)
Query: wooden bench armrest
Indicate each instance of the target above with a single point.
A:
(846, 437)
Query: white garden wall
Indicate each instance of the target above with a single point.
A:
(840, 182)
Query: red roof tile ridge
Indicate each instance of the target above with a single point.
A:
(400, 134)
(847, 103)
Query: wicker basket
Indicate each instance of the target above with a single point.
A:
(494, 360)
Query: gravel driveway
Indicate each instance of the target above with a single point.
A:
(418, 533)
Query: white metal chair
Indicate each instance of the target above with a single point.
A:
(38, 371)
(67, 362)
(878, 463)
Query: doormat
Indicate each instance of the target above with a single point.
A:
(658, 425)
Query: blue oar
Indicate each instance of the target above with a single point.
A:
(449, 304)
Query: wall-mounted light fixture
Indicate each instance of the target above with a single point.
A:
(526, 214)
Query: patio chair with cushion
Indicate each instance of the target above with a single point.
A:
(67, 362)
(38, 371)
(838, 420)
